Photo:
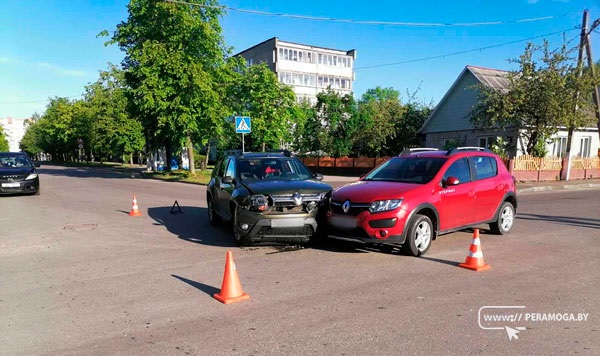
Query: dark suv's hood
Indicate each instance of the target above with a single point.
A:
(279, 187)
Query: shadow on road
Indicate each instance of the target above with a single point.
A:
(89, 172)
(565, 220)
(447, 262)
(192, 225)
(210, 290)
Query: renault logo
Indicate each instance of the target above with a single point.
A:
(297, 199)
(10, 179)
(346, 206)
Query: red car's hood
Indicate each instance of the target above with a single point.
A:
(364, 191)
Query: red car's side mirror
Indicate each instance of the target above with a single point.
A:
(450, 181)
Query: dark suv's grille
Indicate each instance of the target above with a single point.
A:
(303, 231)
(278, 209)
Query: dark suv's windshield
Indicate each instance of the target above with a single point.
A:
(273, 168)
(418, 170)
(14, 161)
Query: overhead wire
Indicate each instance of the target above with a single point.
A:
(372, 22)
(463, 52)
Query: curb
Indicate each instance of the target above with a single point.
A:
(559, 187)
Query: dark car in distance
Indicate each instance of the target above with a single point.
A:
(267, 197)
(18, 174)
(411, 199)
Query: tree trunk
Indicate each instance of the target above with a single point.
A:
(168, 155)
(131, 159)
(190, 150)
(207, 155)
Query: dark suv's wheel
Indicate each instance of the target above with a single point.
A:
(419, 236)
(505, 219)
(237, 232)
(213, 217)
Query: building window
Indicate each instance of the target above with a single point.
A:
(487, 141)
(560, 147)
(585, 146)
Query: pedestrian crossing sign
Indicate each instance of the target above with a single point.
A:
(242, 124)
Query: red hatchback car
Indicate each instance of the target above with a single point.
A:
(411, 199)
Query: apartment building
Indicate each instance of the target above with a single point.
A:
(307, 69)
(14, 130)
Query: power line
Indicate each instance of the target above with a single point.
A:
(373, 22)
(462, 52)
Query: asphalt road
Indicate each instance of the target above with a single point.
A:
(79, 276)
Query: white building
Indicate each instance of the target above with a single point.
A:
(307, 69)
(14, 130)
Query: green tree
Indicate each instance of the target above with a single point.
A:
(379, 109)
(337, 115)
(58, 128)
(407, 128)
(174, 54)
(301, 133)
(3, 141)
(111, 130)
(259, 95)
(542, 97)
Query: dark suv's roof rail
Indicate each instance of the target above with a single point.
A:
(408, 151)
(233, 153)
(456, 150)
(284, 152)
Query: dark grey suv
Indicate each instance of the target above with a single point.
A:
(267, 197)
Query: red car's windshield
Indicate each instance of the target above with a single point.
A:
(419, 170)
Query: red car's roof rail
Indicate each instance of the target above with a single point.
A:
(456, 150)
(408, 151)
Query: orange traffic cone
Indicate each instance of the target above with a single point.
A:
(474, 260)
(231, 290)
(134, 208)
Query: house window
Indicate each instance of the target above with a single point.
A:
(585, 146)
(487, 142)
(560, 147)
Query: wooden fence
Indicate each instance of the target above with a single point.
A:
(524, 168)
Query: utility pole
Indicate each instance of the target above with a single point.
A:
(566, 162)
(585, 48)
(595, 93)
(585, 45)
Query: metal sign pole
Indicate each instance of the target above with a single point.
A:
(243, 150)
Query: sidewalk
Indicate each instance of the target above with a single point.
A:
(521, 186)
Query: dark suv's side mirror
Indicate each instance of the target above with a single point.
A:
(318, 176)
(227, 180)
(450, 181)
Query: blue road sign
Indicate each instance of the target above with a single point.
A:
(242, 124)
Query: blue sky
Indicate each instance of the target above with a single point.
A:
(49, 48)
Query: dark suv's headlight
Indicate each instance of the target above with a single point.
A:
(258, 203)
